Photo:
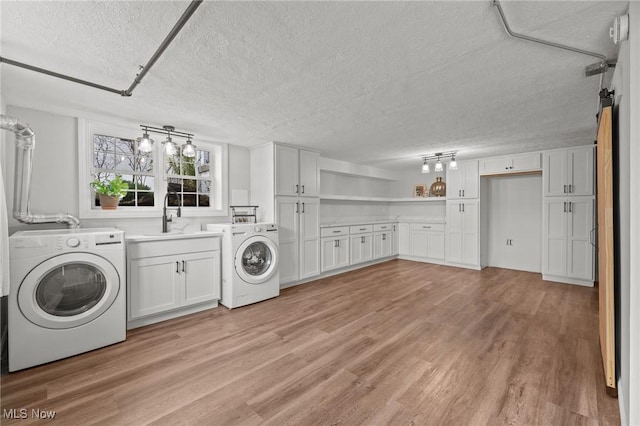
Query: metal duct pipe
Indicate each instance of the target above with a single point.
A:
(25, 143)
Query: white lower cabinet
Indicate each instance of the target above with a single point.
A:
(159, 282)
(360, 244)
(569, 230)
(462, 232)
(335, 252)
(422, 240)
(382, 244)
(299, 239)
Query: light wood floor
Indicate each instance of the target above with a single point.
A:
(397, 343)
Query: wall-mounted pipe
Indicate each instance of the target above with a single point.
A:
(25, 143)
(144, 69)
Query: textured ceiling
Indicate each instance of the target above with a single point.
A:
(372, 82)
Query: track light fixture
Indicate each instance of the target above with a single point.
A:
(145, 143)
(453, 165)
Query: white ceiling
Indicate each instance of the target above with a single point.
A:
(372, 82)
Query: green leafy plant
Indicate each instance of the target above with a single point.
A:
(115, 187)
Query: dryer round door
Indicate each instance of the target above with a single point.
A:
(68, 290)
(256, 260)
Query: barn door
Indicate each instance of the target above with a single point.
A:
(605, 245)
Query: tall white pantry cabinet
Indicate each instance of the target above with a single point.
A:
(285, 183)
(568, 216)
(463, 215)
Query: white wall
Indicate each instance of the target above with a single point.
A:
(514, 211)
(55, 175)
(626, 83)
(403, 187)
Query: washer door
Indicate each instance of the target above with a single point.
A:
(256, 260)
(69, 290)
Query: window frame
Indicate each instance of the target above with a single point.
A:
(219, 177)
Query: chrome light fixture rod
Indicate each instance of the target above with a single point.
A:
(546, 42)
(144, 69)
(167, 129)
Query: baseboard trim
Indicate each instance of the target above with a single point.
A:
(567, 280)
(163, 316)
(621, 405)
(336, 272)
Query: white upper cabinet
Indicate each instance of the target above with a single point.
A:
(568, 172)
(287, 170)
(296, 172)
(510, 164)
(463, 182)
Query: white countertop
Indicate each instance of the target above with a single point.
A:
(164, 236)
(401, 219)
(421, 219)
(357, 222)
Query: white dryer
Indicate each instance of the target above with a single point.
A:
(67, 295)
(249, 262)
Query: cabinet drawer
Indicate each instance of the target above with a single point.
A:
(334, 231)
(360, 229)
(383, 227)
(137, 250)
(427, 227)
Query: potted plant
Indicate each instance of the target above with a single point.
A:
(110, 191)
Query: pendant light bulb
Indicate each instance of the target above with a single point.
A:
(145, 143)
(438, 167)
(170, 147)
(189, 149)
(425, 166)
(453, 165)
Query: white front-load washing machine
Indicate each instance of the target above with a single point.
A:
(249, 262)
(67, 295)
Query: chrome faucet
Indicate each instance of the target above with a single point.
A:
(165, 219)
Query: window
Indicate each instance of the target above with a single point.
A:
(189, 178)
(197, 184)
(113, 155)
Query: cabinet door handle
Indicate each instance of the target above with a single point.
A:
(463, 208)
(363, 229)
(361, 240)
(297, 189)
(336, 232)
(384, 237)
(463, 196)
(184, 269)
(426, 227)
(564, 189)
(565, 206)
(506, 168)
(297, 207)
(459, 193)
(591, 239)
(570, 206)
(570, 189)
(177, 267)
(303, 189)
(302, 208)
(394, 227)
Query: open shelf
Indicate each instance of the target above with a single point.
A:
(382, 199)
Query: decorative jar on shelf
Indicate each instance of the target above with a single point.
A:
(438, 188)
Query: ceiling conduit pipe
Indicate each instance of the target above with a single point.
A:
(25, 143)
(144, 68)
(590, 70)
